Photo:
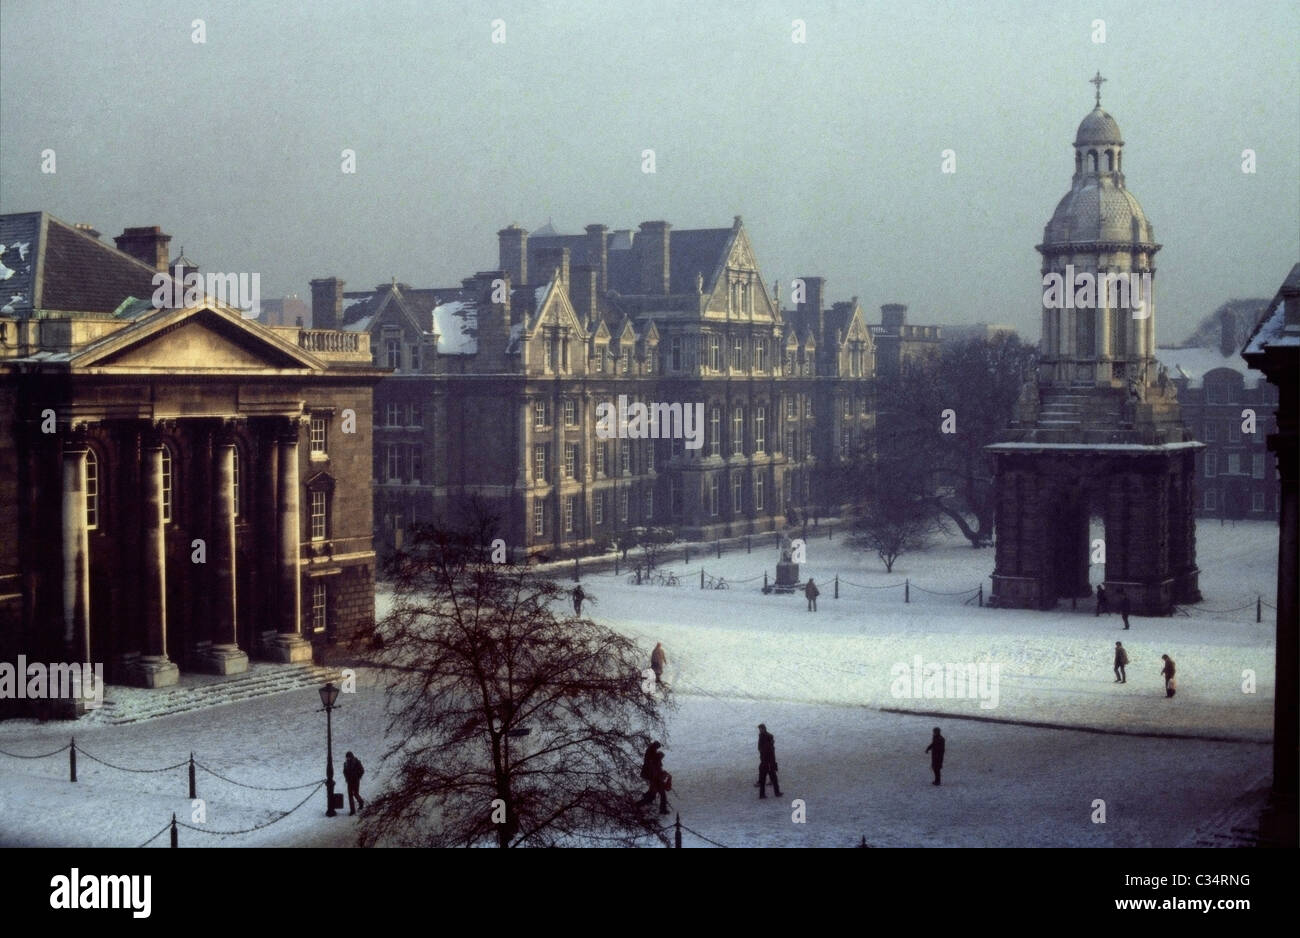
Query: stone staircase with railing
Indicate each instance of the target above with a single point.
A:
(198, 691)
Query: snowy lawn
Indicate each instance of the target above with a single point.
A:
(820, 682)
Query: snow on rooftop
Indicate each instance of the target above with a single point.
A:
(361, 325)
(457, 324)
(1273, 331)
(1194, 363)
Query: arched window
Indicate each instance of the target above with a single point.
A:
(1110, 161)
(92, 490)
(166, 484)
(235, 476)
(1078, 161)
(1092, 159)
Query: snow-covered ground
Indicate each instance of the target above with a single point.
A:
(822, 683)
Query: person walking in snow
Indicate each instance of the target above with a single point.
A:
(352, 772)
(1102, 604)
(811, 592)
(1168, 671)
(579, 594)
(1121, 659)
(652, 770)
(935, 749)
(658, 658)
(1124, 607)
(767, 762)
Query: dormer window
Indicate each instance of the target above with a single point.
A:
(393, 347)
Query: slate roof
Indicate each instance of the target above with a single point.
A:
(1273, 330)
(64, 269)
(690, 251)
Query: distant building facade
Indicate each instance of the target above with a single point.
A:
(180, 488)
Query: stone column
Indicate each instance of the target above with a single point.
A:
(289, 644)
(154, 668)
(223, 655)
(76, 554)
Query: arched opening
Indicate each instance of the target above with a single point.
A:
(1092, 160)
(1078, 161)
(1110, 161)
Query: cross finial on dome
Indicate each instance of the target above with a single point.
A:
(1097, 80)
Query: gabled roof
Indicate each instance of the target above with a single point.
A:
(1273, 330)
(48, 264)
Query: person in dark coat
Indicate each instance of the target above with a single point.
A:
(935, 749)
(579, 594)
(352, 772)
(767, 762)
(658, 658)
(1168, 672)
(1121, 659)
(1102, 604)
(811, 592)
(1124, 607)
(652, 770)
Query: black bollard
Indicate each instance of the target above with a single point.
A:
(718, 545)
(837, 586)
(907, 591)
(764, 581)
(678, 836)
(175, 833)
(981, 595)
(1257, 608)
(701, 578)
(616, 565)
(72, 758)
(193, 791)
(687, 562)
(749, 544)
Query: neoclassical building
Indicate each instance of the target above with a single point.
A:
(495, 386)
(1099, 432)
(180, 488)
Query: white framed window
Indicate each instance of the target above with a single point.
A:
(625, 456)
(570, 412)
(600, 460)
(844, 442)
(415, 414)
(393, 462)
(166, 484)
(1257, 501)
(714, 485)
(600, 358)
(792, 406)
(235, 478)
(627, 362)
(549, 345)
(737, 431)
(758, 492)
(1257, 465)
(737, 352)
(539, 462)
(807, 406)
(715, 432)
(319, 605)
(393, 348)
(1211, 500)
(539, 415)
(1234, 464)
(715, 353)
(760, 429)
(92, 490)
(318, 515)
(760, 355)
(568, 514)
(598, 508)
(622, 505)
(675, 353)
(539, 518)
(392, 414)
(317, 435)
(570, 460)
(737, 493)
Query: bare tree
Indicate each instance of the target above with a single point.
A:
(653, 541)
(898, 516)
(513, 722)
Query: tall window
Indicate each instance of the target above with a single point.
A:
(1257, 501)
(415, 357)
(676, 353)
(235, 475)
(539, 415)
(1257, 465)
(570, 412)
(737, 431)
(570, 459)
(166, 484)
(393, 461)
(1234, 464)
(649, 504)
(317, 515)
(392, 414)
(1210, 464)
(758, 492)
(737, 492)
(317, 436)
(713, 496)
(760, 429)
(715, 432)
(737, 352)
(625, 456)
(539, 462)
(568, 514)
(417, 463)
(92, 490)
(1209, 431)
(600, 459)
(715, 353)
(792, 406)
(760, 355)
(416, 412)
(622, 505)
(539, 518)
(598, 508)
(394, 349)
(319, 605)
(1211, 500)
(548, 344)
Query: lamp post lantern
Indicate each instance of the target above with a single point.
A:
(328, 694)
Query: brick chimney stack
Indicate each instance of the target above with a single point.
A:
(548, 260)
(893, 316)
(327, 303)
(1227, 333)
(512, 251)
(598, 251)
(652, 247)
(145, 244)
(584, 292)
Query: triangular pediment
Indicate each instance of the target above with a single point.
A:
(204, 338)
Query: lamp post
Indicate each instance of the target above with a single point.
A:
(328, 694)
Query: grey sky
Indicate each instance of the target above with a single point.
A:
(830, 149)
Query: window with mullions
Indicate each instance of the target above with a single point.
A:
(92, 490)
(319, 606)
(166, 484)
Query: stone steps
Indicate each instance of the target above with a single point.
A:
(196, 692)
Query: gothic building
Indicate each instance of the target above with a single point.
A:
(495, 386)
(1099, 432)
(180, 487)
